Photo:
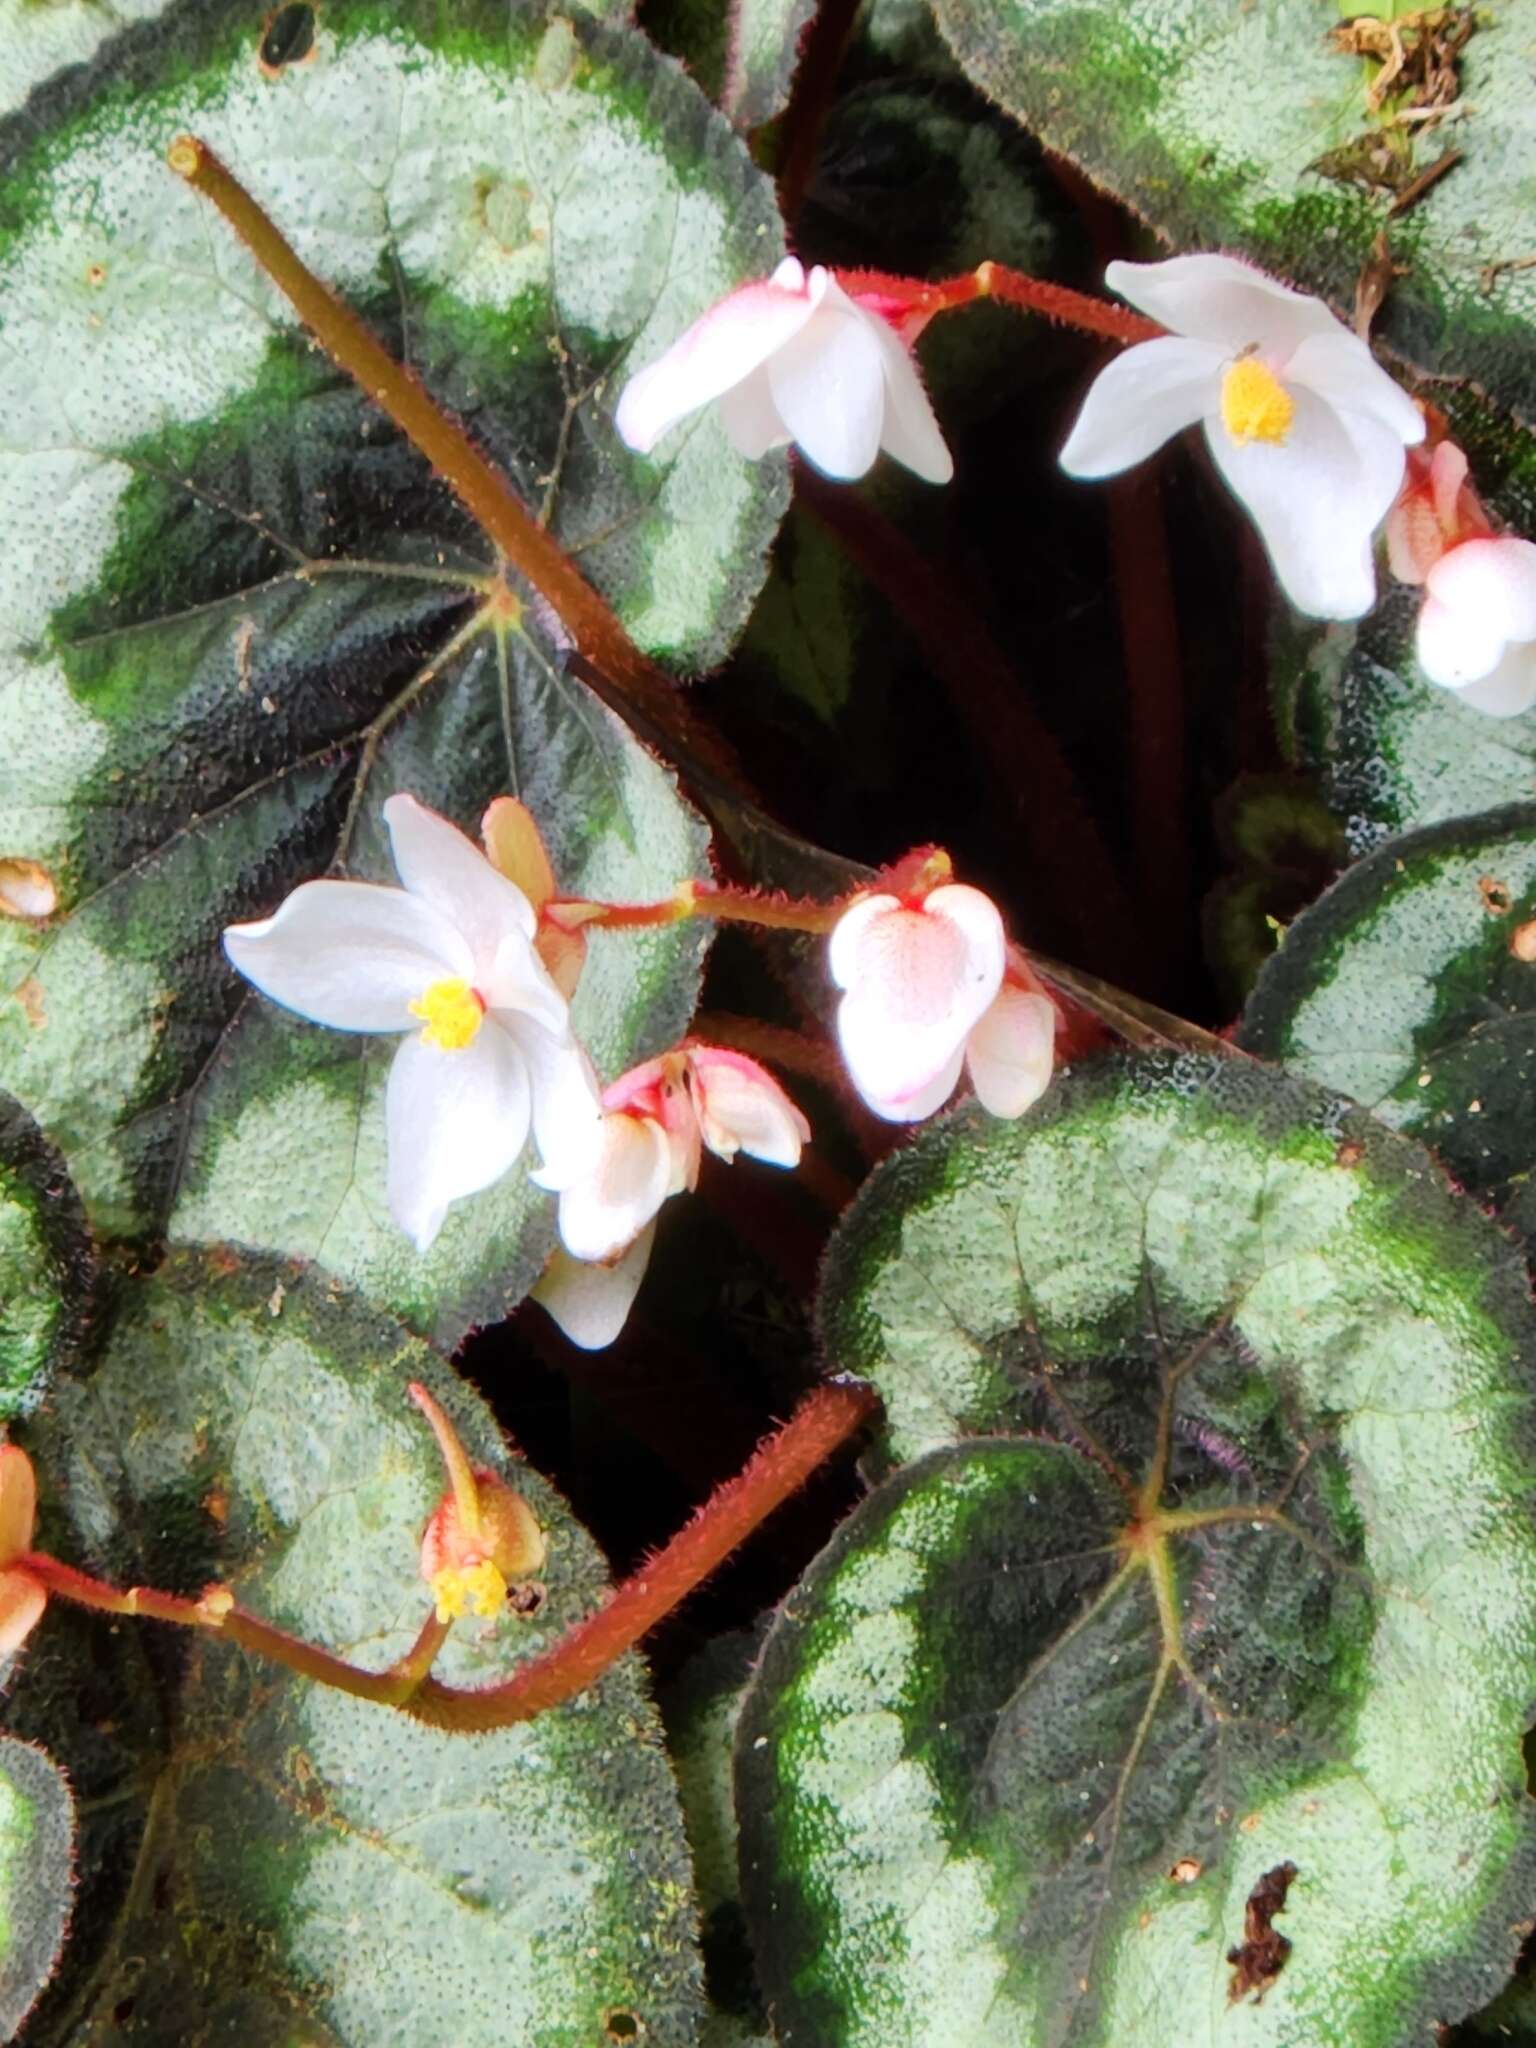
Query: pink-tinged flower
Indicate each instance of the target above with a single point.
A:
(22, 1598)
(925, 994)
(793, 358)
(1305, 426)
(1436, 510)
(448, 962)
(657, 1120)
(1477, 630)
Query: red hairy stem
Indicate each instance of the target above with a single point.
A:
(1066, 855)
(698, 899)
(1015, 288)
(481, 487)
(778, 1468)
(215, 1613)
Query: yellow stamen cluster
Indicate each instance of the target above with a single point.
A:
(452, 1013)
(472, 1588)
(1255, 405)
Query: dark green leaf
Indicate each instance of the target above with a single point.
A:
(246, 612)
(46, 1262)
(1218, 123)
(271, 1854)
(1216, 1557)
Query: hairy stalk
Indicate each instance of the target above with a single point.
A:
(776, 1470)
(486, 494)
(697, 899)
(1014, 288)
(805, 118)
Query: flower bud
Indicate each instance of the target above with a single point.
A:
(481, 1536)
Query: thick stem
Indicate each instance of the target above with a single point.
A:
(484, 491)
(776, 1470)
(1015, 288)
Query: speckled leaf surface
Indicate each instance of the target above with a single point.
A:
(37, 1833)
(1405, 986)
(1210, 118)
(702, 1710)
(237, 611)
(46, 1262)
(1214, 1555)
(262, 1854)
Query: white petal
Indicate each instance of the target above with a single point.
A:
(1222, 300)
(608, 1208)
(456, 1122)
(1011, 1052)
(917, 981)
(921, 1102)
(828, 387)
(518, 983)
(1510, 689)
(909, 434)
(715, 353)
(1136, 402)
(741, 1108)
(592, 1303)
(1495, 579)
(750, 417)
(1340, 368)
(1457, 647)
(848, 936)
(438, 863)
(1317, 499)
(353, 955)
(567, 1105)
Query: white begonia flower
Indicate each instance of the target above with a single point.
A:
(448, 960)
(657, 1119)
(793, 358)
(924, 995)
(1303, 423)
(1477, 630)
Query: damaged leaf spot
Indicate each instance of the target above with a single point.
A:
(1262, 1955)
(288, 38)
(1413, 84)
(1496, 897)
(26, 890)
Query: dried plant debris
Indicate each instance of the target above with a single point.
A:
(1416, 84)
(1261, 1956)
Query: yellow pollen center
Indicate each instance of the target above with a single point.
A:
(452, 1013)
(462, 1589)
(1255, 405)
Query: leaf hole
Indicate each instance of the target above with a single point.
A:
(26, 890)
(620, 2024)
(528, 1599)
(1497, 899)
(287, 37)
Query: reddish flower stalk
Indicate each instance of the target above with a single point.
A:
(776, 1469)
(917, 302)
(578, 1659)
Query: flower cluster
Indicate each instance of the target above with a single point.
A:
(472, 964)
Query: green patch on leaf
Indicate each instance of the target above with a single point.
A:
(1220, 124)
(1214, 1557)
(272, 1855)
(1411, 985)
(248, 612)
